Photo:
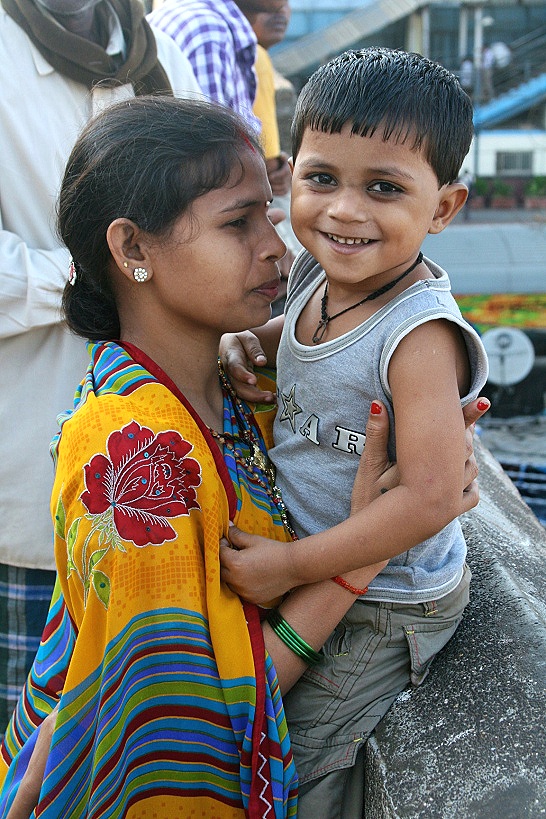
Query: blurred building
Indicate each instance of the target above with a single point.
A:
(509, 96)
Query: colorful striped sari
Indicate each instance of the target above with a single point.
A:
(169, 705)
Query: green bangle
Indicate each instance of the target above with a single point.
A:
(292, 639)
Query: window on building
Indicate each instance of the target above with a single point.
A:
(514, 163)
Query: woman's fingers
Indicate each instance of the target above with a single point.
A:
(375, 472)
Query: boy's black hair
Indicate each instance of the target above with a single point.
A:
(404, 95)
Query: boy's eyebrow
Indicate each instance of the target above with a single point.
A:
(387, 170)
(392, 170)
(315, 162)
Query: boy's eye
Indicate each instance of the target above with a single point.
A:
(322, 178)
(384, 187)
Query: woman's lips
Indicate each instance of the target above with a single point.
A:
(269, 289)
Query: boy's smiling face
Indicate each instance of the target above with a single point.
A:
(363, 206)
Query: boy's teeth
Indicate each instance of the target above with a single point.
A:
(343, 241)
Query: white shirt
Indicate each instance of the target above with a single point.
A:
(41, 113)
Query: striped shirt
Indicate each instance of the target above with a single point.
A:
(220, 44)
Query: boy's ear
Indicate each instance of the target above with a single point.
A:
(128, 247)
(291, 163)
(452, 199)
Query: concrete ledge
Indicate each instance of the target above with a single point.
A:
(470, 743)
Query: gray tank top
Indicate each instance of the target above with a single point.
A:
(324, 395)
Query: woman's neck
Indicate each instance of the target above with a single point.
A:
(193, 368)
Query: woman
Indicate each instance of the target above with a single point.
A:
(152, 677)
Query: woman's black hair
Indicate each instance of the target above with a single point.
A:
(405, 96)
(145, 159)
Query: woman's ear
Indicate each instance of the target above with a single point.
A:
(452, 199)
(129, 249)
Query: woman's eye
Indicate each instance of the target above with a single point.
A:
(384, 187)
(237, 223)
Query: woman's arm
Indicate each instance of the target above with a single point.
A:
(315, 610)
(27, 795)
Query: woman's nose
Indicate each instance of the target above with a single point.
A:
(275, 248)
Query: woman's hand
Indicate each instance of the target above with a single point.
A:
(472, 413)
(376, 474)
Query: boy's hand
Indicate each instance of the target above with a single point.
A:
(257, 569)
(240, 353)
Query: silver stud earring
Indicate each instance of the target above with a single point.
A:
(140, 274)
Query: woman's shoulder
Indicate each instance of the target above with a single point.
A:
(119, 393)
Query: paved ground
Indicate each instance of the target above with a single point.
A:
(493, 251)
(494, 216)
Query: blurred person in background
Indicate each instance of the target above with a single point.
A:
(270, 28)
(62, 60)
(218, 40)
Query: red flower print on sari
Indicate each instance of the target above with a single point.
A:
(146, 479)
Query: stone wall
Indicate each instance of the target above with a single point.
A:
(470, 743)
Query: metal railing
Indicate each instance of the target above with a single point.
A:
(528, 61)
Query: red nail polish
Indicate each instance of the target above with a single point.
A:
(483, 405)
(375, 408)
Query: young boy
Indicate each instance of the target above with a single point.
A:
(379, 137)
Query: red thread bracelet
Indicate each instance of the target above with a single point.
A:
(343, 583)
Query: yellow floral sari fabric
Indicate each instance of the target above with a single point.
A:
(168, 703)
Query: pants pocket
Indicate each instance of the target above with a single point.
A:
(426, 638)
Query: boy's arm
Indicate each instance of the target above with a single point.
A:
(431, 462)
(241, 352)
(314, 610)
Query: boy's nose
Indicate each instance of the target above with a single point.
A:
(348, 205)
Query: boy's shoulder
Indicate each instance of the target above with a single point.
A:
(303, 263)
(438, 274)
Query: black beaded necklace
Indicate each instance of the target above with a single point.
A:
(325, 319)
(244, 445)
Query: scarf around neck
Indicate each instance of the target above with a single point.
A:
(87, 62)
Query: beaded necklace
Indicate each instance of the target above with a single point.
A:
(245, 449)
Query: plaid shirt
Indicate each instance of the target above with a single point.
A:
(220, 44)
